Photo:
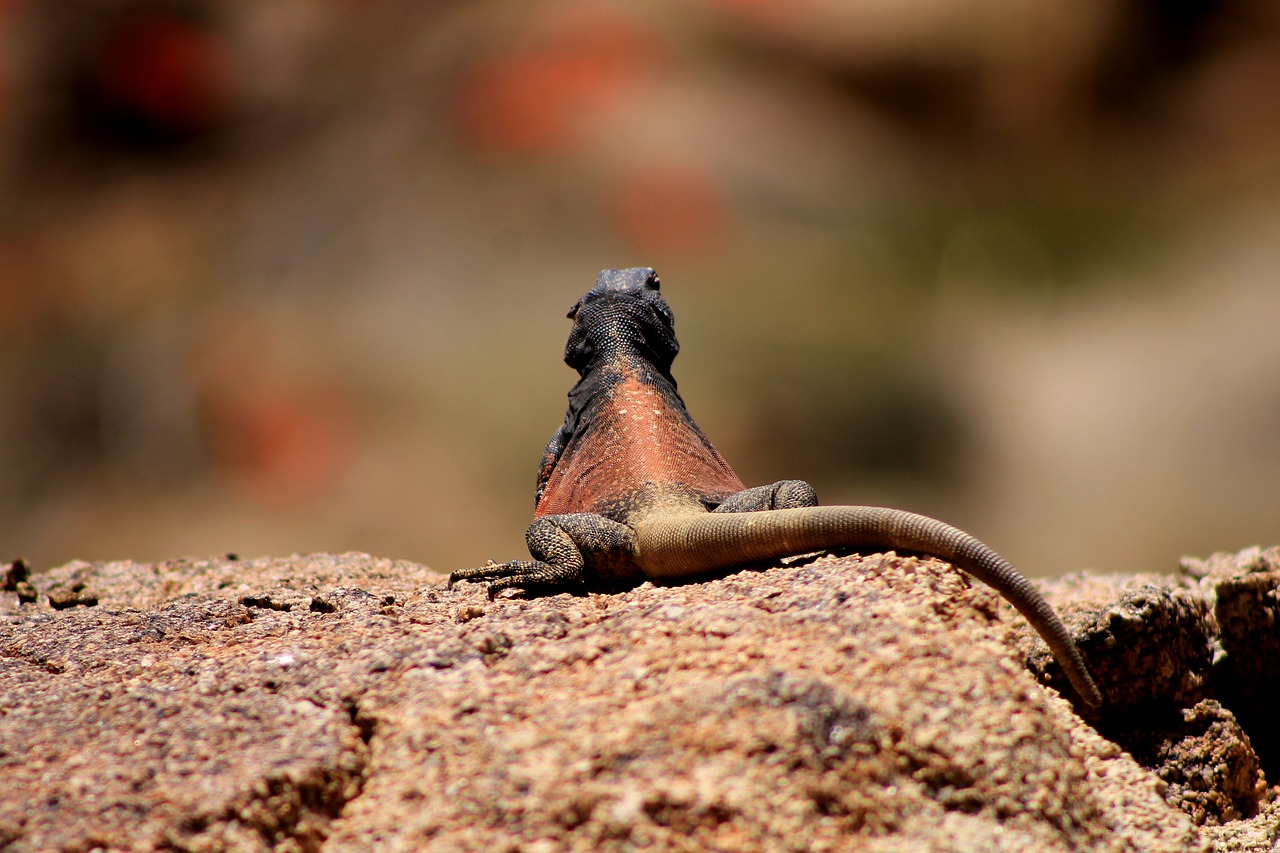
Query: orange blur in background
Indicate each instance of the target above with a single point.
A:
(292, 276)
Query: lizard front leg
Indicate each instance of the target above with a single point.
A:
(784, 494)
(564, 547)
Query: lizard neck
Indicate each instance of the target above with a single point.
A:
(631, 446)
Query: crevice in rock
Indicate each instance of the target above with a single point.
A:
(1246, 609)
(1257, 716)
(1201, 753)
(366, 724)
(296, 810)
(1188, 668)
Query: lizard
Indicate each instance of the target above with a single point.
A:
(630, 488)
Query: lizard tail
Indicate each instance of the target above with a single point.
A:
(685, 546)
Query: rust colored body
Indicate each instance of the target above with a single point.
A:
(636, 440)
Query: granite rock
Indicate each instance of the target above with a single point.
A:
(350, 703)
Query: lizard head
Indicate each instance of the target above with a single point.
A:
(622, 315)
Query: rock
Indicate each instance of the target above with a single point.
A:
(17, 579)
(1206, 759)
(1149, 624)
(1260, 834)
(351, 703)
(18, 572)
(1190, 680)
(1243, 591)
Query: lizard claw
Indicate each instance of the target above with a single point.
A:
(526, 575)
(501, 575)
(479, 573)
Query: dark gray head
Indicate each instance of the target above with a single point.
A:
(623, 314)
(622, 282)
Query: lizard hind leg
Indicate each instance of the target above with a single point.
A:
(561, 546)
(557, 564)
(784, 494)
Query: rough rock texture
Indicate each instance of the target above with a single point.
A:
(1244, 592)
(351, 703)
(1205, 757)
(1189, 667)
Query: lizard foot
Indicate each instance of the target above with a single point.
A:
(526, 575)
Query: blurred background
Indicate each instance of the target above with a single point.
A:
(292, 276)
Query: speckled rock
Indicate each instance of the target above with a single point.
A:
(1207, 760)
(1160, 628)
(1188, 663)
(1244, 592)
(351, 703)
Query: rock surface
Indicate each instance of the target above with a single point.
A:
(351, 703)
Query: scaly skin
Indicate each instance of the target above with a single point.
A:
(630, 487)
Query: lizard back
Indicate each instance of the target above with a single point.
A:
(627, 433)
